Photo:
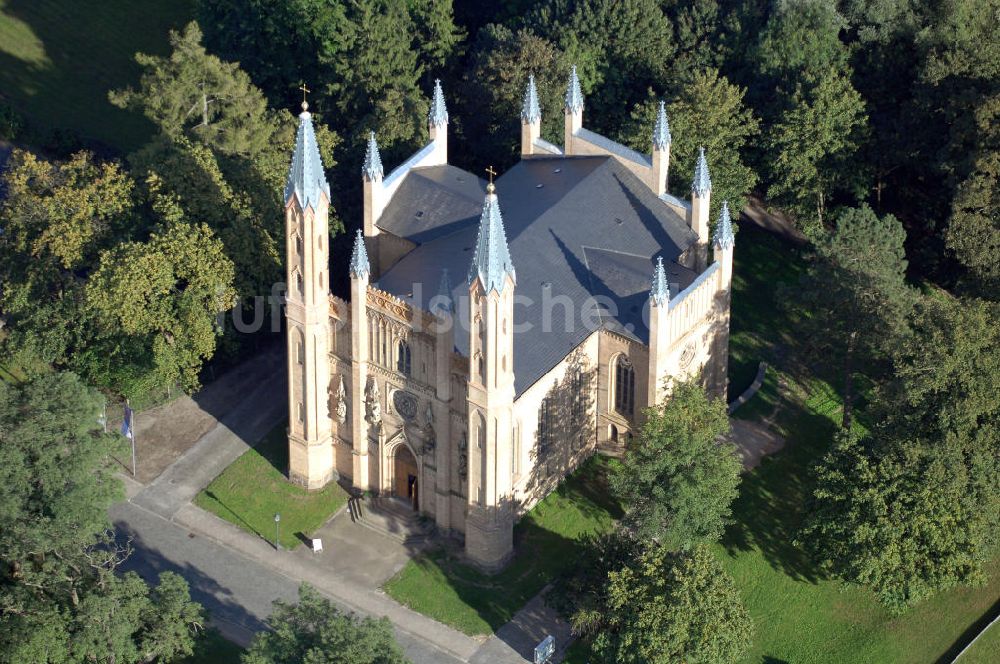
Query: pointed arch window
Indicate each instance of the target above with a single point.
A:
(624, 386)
(546, 413)
(403, 359)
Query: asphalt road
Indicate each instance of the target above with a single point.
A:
(236, 591)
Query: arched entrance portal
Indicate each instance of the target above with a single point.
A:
(405, 473)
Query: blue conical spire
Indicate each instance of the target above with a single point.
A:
(660, 292)
(438, 116)
(491, 263)
(530, 111)
(306, 178)
(444, 292)
(724, 237)
(574, 96)
(702, 183)
(661, 130)
(372, 168)
(360, 268)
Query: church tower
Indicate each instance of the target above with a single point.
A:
(307, 311)
(659, 334)
(489, 525)
(723, 243)
(531, 118)
(573, 110)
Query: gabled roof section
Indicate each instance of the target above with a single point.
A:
(491, 263)
(576, 227)
(306, 178)
(531, 112)
(433, 201)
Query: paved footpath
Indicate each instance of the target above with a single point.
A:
(237, 575)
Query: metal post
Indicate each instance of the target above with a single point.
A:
(277, 523)
(131, 429)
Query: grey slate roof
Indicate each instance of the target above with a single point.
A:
(577, 228)
(306, 178)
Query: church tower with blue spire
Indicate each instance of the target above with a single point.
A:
(489, 523)
(307, 307)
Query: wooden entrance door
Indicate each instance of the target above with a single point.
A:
(405, 474)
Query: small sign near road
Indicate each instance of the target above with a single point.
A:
(545, 650)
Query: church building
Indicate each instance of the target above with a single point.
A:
(497, 333)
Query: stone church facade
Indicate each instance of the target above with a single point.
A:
(482, 354)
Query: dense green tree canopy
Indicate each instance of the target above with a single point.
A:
(856, 290)
(666, 607)
(315, 631)
(60, 600)
(678, 479)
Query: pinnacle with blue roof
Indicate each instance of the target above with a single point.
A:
(360, 268)
(372, 168)
(306, 178)
(724, 237)
(438, 115)
(661, 130)
(574, 96)
(444, 292)
(701, 185)
(660, 291)
(530, 111)
(491, 263)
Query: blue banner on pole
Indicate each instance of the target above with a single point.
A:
(127, 424)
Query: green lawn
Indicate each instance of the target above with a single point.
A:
(547, 542)
(213, 649)
(986, 648)
(801, 617)
(254, 488)
(59, 58)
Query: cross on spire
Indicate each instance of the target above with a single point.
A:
(305, 90)
(492, 173)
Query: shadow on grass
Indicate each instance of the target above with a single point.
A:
(245, 525)
(969, 634)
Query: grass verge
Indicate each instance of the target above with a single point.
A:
(254, 488)
(59, 58)
(547, 541)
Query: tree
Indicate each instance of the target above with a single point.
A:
(56, 219)
(621, 49)
(678, 481)
(706, 112)
(315, 631)
(856, 291)
(495, 81)
(973, 232)
(673, 607)
(812, 146)
(898, 516)
(192, 93)
(374, 82)
(167, 292)
(222, 152)
(437, 36)
(59, 597)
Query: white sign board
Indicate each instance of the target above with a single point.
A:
(545, 650)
